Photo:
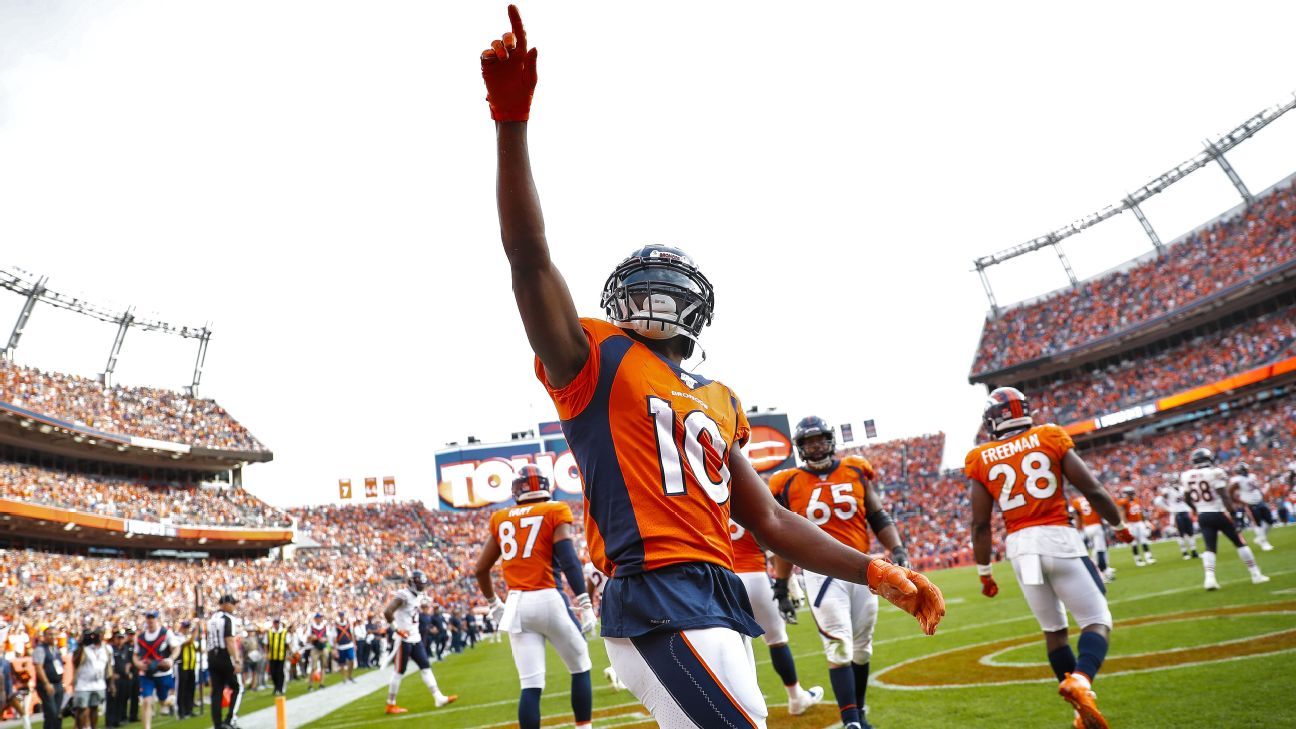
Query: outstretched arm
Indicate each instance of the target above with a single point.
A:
(795, 540)
(543, 300)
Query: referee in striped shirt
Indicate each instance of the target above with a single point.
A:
(225, 663)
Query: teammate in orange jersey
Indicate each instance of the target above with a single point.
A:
(1022, 470)
(1132, 511)
(534, 539)
(839, 496)
(659, 450)
(749, 565)
(1095, 534)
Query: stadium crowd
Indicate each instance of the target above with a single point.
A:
(146, 412)
(1208, 260)
(130, 499)
(1200, 360)
(904, 460)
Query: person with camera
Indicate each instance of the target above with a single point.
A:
(225, 663)
(48, 662)
(93, 663)
(156, 651)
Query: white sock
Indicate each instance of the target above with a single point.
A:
(1248, 559)
(793, 691)
(1262, 533)
(393, 687)
(1208, 563)
(430, 681)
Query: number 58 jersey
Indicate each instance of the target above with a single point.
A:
(1023, 474)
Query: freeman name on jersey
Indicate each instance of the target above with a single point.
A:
(1011, 448)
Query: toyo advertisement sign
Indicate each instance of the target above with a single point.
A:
(481, 475)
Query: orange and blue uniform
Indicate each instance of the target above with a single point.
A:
(525, 535)
(1088, 517)
(747, 553)
(833, 500)
(652, 444)
(1023, 474)
(1131, 509)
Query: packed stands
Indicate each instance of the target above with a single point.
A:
(146, 412)
(904, 460)
(133, 499)
(1209, 260)
(1190, 363)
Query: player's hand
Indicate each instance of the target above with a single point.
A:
(496, 611)
(900, 556)
(404, 634)
(989, 587)
(509, 70)
(785, 607)
(585, 613)
(909, 591)
(1122, 533)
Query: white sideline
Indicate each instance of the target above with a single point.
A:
(306, 708)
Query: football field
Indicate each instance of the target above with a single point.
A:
(1180, 657)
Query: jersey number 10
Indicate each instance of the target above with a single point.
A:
(1036, 467)
(672, 465)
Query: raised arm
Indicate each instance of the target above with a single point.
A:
(543, 300)
(795, 540)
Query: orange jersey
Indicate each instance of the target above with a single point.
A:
(1024, 476)
(1088, 517)
(1131, 509)
(747, 554)
(526, 537)
(652, 444)
(834, 500)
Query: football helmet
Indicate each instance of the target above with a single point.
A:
(1242, 469)
(1128, 492)
(1203, 457)
(530, 485)
(418, 582)
(658, 292)
(807, 428)
(1006, 409)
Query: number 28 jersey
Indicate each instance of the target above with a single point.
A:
(834, 501)
(1024, 476)
(525, 535)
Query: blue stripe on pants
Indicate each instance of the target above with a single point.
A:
(689, 682)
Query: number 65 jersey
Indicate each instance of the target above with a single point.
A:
(1023, 474)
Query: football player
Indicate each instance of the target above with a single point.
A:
(1095, 535)
(317, 631)
(1022, 469)
(1205, 489)
(1132, 511)
(1246, 488)
(534, 540)
(659, 449)
(749, 565)
(402, 613)
(839, 496)
(1170, 498)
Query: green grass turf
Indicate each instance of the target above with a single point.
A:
(1248, 692)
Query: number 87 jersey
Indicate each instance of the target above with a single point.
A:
(1023, 474)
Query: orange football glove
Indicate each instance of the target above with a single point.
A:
(1122, 533)
(509, 70)
(989, 587)
(909, 591)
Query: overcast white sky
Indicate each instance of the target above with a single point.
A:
(316, 178)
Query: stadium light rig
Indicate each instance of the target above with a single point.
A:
(34, 290)
(1213, 151)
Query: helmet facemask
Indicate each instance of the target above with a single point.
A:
(659, 294)
(817, 450)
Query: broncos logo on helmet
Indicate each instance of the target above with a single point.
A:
(530, 485)
(1006, 409)
(1203, 457)
(809, 427)
(418, 582)
(659, 293)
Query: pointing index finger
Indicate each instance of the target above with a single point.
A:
(515, 19)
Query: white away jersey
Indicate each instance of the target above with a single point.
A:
(1171, 498)
(1200, 487)
(1248, 489)
(407, 615)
